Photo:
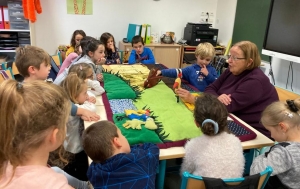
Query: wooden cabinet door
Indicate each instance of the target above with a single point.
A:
(169, 56)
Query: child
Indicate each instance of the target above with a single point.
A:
(76, 38)
(140, 54)
(32, 126)
(112, 55)
(200, 74)
(116, 164)
(93, 54)
(85, 72)
(33, 63)
(76, 90)
(216, 153)
(283, 121)
(70, 58)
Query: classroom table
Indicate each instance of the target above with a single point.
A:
(178, 152)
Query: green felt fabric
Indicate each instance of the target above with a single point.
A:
(175, 117)
(136, 136)
(116, 88)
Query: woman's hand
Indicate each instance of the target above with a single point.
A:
(99, 77)
(185, 95)
(225, 99)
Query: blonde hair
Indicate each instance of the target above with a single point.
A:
(30, 56)
(282, 112)
(250, 51)
(27, 113)
(205, 50)
(81, 70)
(73, 86)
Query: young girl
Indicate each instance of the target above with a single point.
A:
(31, 127)
(92, 53)
(77, 36)
(283, 121)
(216, 153)
(112, 55)
(76, 90)
(72, 56)
(85, 72)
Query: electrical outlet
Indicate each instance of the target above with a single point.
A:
(203, 13)
(211, 14)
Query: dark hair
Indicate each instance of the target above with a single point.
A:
(208, 106)
(137, 39)
(105, 37)
(88, 44)
(97, 140)
(76, 32)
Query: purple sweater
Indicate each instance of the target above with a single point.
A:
(251, 92)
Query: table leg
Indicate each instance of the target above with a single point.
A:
(160, 178)
(249, 159)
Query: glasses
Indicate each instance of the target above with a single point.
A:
(234, 58)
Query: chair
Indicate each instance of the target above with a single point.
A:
(57, 59)
(190, 181)
(6, 74)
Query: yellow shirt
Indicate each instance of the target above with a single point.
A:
(70, 50)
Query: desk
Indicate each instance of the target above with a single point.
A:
(178, 152)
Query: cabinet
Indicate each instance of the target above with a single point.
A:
(188, 54)
(167, 54)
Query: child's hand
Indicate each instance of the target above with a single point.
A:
(118, 61)
(111, 46)
(89, 116)
(92, 99)
(99, 77)
(204, 70)
(158, 73)
(101, 61)
(225, 99)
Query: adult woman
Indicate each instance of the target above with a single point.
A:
(243, 87)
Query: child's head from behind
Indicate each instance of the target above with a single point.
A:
(83, 70)
(102, 140)
(210, 115)
(108, 40)
(77, 37)
(204, 53)
(33, 115)
(75, 88)
(282, 119)
(92, 48)
(33, 62)
(138, 44)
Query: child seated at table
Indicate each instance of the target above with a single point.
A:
(282, 119)
(216, 153)
(200, 74)
(116, 164)
(140, 54)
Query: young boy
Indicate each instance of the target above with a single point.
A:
(116, 164)
(140, 54)
(200, 74)
(33, 63)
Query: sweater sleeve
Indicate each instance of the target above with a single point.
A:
(169, 73)
(151, 59)
(278, 158)
(212, 75)
(95, 85)
(70, 50)
(112, 57)
(88, 106)
(131, 59)
(74, 109)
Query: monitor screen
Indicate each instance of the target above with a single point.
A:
(283, 28)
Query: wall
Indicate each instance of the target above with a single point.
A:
(225, 20)
(54, 26)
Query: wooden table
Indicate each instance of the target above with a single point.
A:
(179, 152)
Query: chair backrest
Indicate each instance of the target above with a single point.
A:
(285, 94)
(190, 181)
(57, 59)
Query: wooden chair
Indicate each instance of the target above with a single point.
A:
(57, 59)
(14, 68)
(285, 94)
(190, 181)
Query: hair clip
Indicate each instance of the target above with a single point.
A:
(216, 125)
(292, 106)
(80, 67)
(19, 86)
(289, 114)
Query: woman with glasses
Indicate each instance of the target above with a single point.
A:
(243, 87)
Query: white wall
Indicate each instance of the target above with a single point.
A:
(54, 26)
(225, 20)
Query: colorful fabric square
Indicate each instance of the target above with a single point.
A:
(177, 121)
(135, 136)
(116, 88)
(240, 130)
(120, 105)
